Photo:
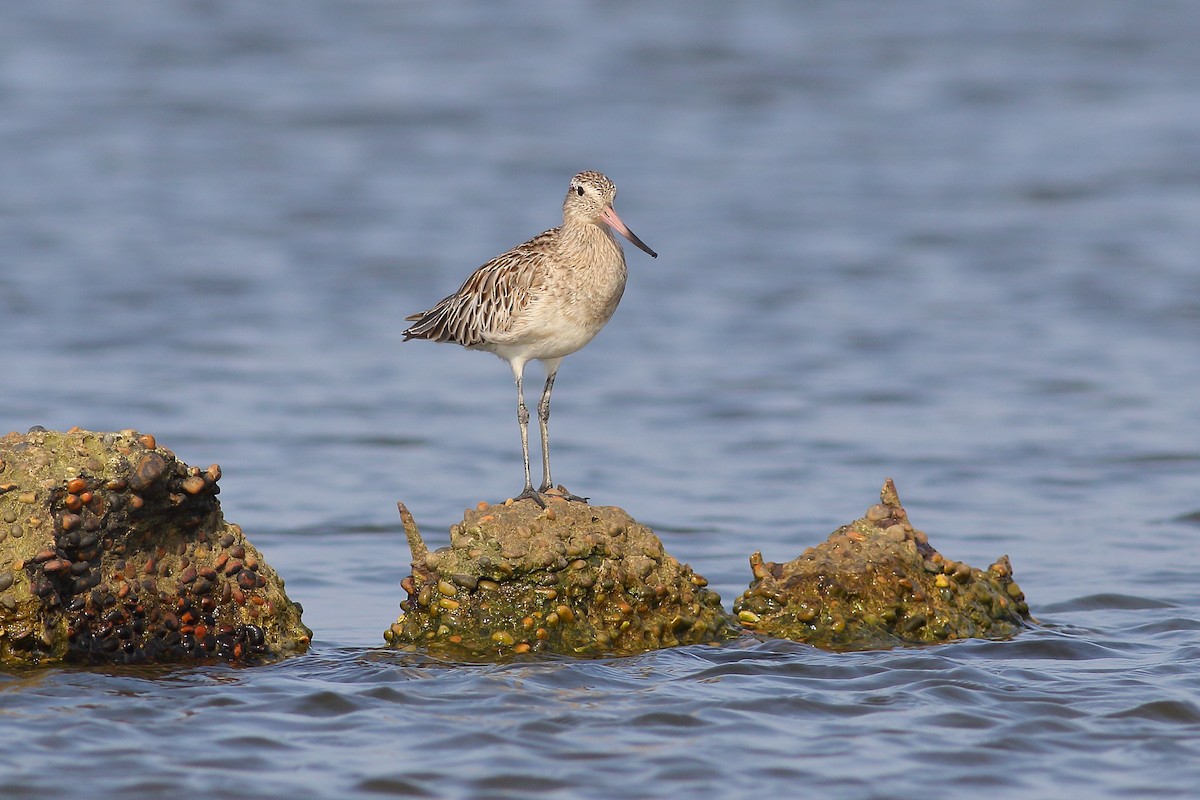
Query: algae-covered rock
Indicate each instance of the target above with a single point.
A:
(878, 583)
(571, 579)
(112, 550)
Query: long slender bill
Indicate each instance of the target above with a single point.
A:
(610, 216)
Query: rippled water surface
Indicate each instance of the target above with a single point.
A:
(953, 244)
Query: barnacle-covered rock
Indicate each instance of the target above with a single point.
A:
(571, 579)
(112, 550)
(878, 583)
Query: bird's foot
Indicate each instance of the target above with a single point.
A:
(561, 491)
(530, 494)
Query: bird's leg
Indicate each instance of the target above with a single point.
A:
(544, 428)
(523, 421)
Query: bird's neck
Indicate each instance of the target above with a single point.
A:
(589, 238)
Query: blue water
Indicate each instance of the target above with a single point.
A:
(951, 244)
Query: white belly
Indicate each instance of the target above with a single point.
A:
(556, 326)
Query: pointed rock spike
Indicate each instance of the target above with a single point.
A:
(415, 543)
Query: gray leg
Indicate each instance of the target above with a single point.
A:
(523, 421)
(544, 426)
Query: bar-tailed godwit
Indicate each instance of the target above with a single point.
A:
(542, 300)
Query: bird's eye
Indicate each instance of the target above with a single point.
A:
(579, 191)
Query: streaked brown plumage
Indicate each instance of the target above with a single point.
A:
(543, 300)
